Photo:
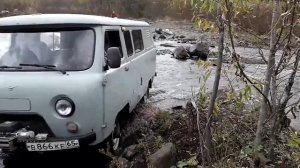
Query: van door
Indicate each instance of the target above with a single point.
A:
(118, 86)
(135, 71)
(138, 63)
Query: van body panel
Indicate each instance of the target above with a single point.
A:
(43, 89)
(67, 19)
(14, 104)
(127, 84)
(119, 87)
(142, 73)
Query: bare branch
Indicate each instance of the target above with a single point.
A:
(289, 36)
(201, 140)
(290, 83)
(282, 26)
(292, 21)
(261, 53)
(253, 34)
(237, 61)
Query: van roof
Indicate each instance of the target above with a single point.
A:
(70, 19)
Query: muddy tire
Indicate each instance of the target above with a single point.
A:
(146, 96)
(115, 141)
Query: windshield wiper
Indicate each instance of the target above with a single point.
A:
(50, 67)
(9, 67)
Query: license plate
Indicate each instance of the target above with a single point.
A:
(52, 146)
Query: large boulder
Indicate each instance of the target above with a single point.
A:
(130, 152)
(199, 50)
(180, 53)
(164, 157)
(139, 162)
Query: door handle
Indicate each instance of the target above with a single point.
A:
(126, 68)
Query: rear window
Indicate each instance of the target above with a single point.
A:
(138, 40)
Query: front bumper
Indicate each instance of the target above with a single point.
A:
(11, 142)
(83, 140)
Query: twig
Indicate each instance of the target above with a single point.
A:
(238, 63)
(288, 96)
(261, 53)
(256, 36)
(201, 141)
(289, 35)
(290, 83)
(282, 26)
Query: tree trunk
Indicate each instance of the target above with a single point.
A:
(208, 134)
(270, 71)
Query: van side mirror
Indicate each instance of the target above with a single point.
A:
(114, 57)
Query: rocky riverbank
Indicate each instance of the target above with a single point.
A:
(170, 123)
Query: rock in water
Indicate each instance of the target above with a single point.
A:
(158, 30)
(199, 50)
(180, 53)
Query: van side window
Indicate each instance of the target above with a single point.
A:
(112, 39)
(137, 40)
(128, 43)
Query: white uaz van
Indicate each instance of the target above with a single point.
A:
(66, 79)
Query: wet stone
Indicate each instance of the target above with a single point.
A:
(199, 50)
(139, 162)
(180, 53)
(130, 152)
(164, 157)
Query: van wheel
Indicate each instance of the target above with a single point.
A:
(147, 94)
(116, 140)
(145, 97)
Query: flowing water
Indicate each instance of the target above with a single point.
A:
(178, 80)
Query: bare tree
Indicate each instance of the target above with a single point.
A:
(273, 110)
(270, 71)
(208, 134)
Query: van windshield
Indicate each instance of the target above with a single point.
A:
(65, 50)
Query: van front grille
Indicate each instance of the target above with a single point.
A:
(31, 122)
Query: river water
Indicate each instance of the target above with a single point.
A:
(178, 80)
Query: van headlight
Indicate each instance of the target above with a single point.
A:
(65, 107)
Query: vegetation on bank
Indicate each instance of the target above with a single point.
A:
(251, 15)
(233, 126)
(125, 8)
(276, 91)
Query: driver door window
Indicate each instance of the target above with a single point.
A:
(112, 39)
